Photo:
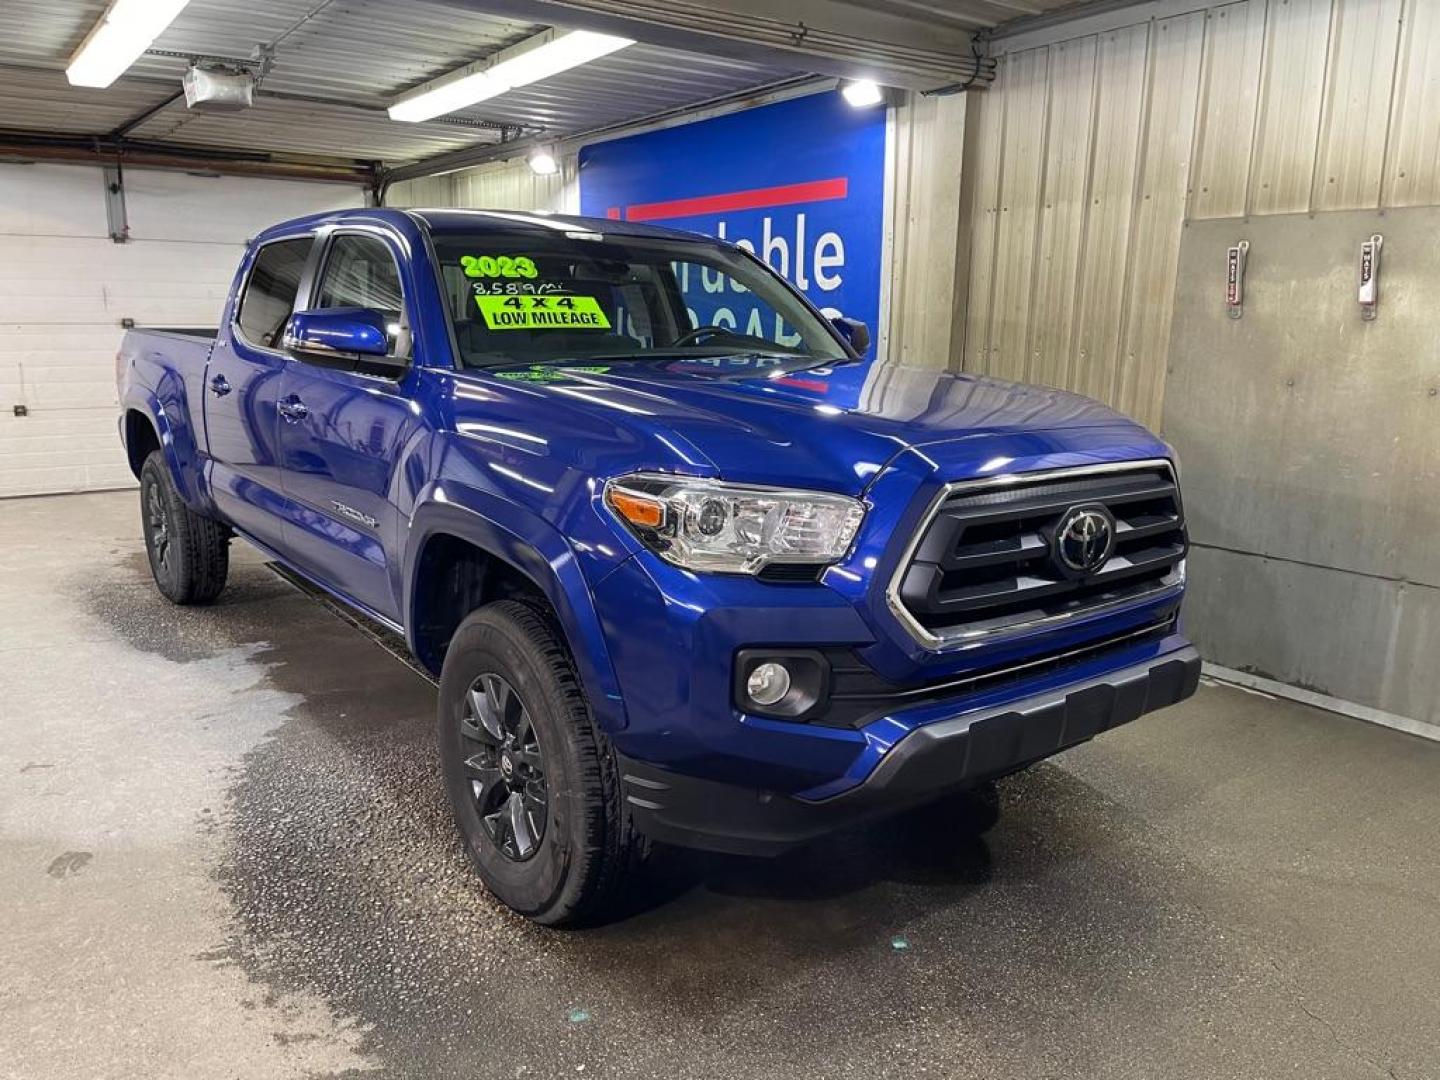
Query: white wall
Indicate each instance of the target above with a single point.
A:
(65, 286)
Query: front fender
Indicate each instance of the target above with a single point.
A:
(535, 548)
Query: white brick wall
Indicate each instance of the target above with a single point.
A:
(64, 287)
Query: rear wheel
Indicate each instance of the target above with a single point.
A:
(531, 780)
(189, 554)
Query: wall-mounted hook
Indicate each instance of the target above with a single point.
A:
(1235, 279)
(1370, 277)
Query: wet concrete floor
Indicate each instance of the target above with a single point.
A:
(224, 852)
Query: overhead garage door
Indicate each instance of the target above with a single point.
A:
(65, 286)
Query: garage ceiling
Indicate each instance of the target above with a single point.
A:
(337, 64)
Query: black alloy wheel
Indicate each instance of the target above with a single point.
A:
(157, 526)
(532, 779)
(505, 767)
(188, 553)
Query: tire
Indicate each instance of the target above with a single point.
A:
(189, 554)
(508, 689)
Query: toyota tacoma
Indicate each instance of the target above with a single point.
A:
(688, 568)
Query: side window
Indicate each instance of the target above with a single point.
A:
(361, 272)
(270, 290)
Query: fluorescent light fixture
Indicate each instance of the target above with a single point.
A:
(862, 93)
(126, 30)
(537, 58)
(543, 163)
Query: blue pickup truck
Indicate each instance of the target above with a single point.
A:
(688, 568)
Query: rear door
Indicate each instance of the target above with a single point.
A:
(343, 426)
(242, 391)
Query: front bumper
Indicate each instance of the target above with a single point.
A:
(935, 759)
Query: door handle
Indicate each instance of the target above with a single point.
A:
(293, 409)
(219, 386)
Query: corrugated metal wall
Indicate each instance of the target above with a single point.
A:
(923, 230)
(1091, 152)
(504, 185)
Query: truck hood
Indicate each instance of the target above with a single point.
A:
(831, 428)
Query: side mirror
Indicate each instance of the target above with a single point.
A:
(855, 332)
(343, 333)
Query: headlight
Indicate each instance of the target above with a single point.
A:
(730, 528)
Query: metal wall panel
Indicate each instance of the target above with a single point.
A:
(1311, 457)
(1235, 40)
(984, 182)
(502, 185)
(1412, 176)
(1155, 241)
(1021, 186)
(1063, 211)
(1291, 94)
(1121, 85)
(1353, 129)
(924, 232)
(1248, 107)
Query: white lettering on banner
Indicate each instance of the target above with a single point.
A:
(829, 242)
(824, 263)
(800, 282)
(769, 245)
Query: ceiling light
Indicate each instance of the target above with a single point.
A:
(125, 31)
(862, 92)
(538, 58)
(543, 163)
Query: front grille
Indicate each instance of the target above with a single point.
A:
(986, 561)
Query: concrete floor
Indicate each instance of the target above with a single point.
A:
(224, 852)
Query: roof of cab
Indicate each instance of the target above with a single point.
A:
(453, 220)
(441, 221)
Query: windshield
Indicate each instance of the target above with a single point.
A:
(521, 298)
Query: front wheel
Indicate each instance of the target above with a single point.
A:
(189, 554)
(532, 783)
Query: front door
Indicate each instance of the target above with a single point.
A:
(342, 430)
(242, 393)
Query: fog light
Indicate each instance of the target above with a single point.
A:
(768, 683)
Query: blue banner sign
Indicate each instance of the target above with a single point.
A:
(801, 183)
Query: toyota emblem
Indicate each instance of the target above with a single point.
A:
(1084, 539)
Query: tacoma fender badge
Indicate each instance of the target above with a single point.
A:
(355, 515)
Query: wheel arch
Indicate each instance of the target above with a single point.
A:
(459, 557)
(145, 427)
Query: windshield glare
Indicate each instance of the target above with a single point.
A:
(523, 298)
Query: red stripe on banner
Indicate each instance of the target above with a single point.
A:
(805, 384)
(613, 213)
(754, 199)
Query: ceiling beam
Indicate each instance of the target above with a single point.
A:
(825, 37)
(105, 150)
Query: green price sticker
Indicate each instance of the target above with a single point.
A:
(498, 266)
(543, 373)
(542, 313)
